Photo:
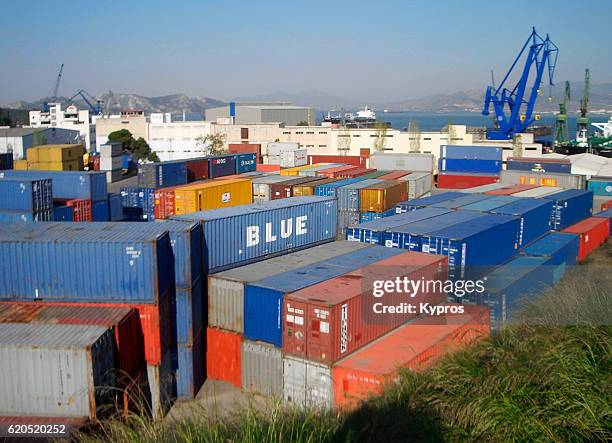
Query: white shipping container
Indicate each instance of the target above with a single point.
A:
(565, 181)
(55, 370)
(291, 159)
(276, 148)
(162, 386)
(261, 186)
(111, 149)
(307, 384)
(226, 289)
(262, 368)
(419, 184)
(415, 162)
(111, 163)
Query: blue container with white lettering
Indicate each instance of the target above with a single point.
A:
(23, 194)
(465, 165)
(263, 300)
(373, 232)
(221, 166)
(329, 189)
(372, 216)
(246, 163)
(15, 215)
(423, 202)
(68, 185)
(142, 198)
(534, 214)
(243, 234)
(570, 207)
(473, 248)
(408, 236)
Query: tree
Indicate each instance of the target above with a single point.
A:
(214, 143)
(381, 136)
(5, 119)
(139, 148)
(303, 123)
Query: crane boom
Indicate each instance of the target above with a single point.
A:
(541, 54)
(52, 95)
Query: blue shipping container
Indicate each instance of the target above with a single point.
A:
(473, 248)
(263, 300)
(349, 195)
(490, 204)
(99, 211)
(159, 175)
(462, 201)
(423, 202)
(606, 214)
(371, 216)
(373, 232)
(143, 198)
(6, 160)
(189, 312)
(471, 152)
(517, 164)
(534, 215)
(189, 367)
(248, 233)
(115, 208)
(221, 166)
(509, 285)
(600, 186)
(462, 165)
(68, 185)
(13, 215)
(246, 163)
(63, 213)
(408, 236)
(561, 248)
(133, 214)
(53, 261)
(570, 207)
(26, 194)
(329, 189)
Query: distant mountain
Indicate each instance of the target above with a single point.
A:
(317, 99)
(114, 102)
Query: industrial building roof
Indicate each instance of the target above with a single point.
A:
(17, 132)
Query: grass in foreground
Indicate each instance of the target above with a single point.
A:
(546, 378)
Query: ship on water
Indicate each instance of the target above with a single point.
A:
(363, 118)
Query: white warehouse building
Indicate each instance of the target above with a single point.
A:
(71, 118)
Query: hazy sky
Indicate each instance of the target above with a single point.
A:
(369, 51)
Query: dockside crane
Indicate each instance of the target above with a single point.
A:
(96, 109)
(583, 120)
(562, 130)
(540, 53)
(52, 95)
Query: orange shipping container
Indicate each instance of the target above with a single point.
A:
(224, 356)
(214, 194)
(267, 168)
(308, 188)
(382, 196)
(415, 345)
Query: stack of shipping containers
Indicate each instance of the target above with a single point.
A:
(468, 166)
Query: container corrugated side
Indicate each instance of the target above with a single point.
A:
(465, 165)
(464, 180)
(212, 195)
(190, 308)
(419, 184)
(332, 319)
(68, 184)
(508, 189)
(307, 383)
(190, 367)
(490, 204)
(237, 236)
(354, 160)
(423, 202)
(10, 216)
(593, 232)
(224, 356)
(373, 216)
(539, 165)
(372, 232)
(570, 207)
(226, 289)
(55, 370)
(459, 202)
(348, 196)
(262, 186)
(329, 189)
(161, 174)
(26, 194)
(262, 369)
(561, 248)
(312, 171)
(53, 261)
(408, 236)
(382, 196)
(416, 346)
(567, 181)
(473, 248)
(471, 152)
(408, 162)
(534, 215)
(605, 214)
(337, 171)
(245, 163)
(537, 192)
(263, 299)
(309, 188)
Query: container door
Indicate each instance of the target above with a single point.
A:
(320, 337)
(244, 133)
(295, 330)
(294, 381)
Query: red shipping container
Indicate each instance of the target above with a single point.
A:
(224, 356)
(353, 160)
(330, 320)
(96, 162)
(415, 345)
(82, 210)
(593, 232)
(331, 172)
(124, 322)
(460, 181)
(197, 169)
(393, 175)
(267, 168)
(511, 189)
(156, 324)
(245, 148)
(352, 173)
(606, 205)
(164, 203)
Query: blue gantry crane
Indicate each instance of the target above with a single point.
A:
(513, 109)
(96, 109)
(52, 96)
